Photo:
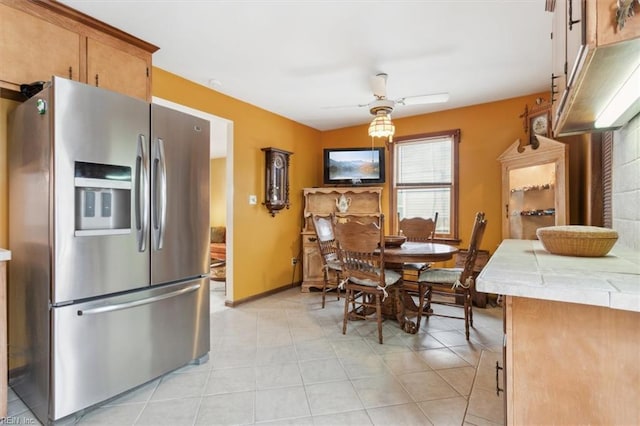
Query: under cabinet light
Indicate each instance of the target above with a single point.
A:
(622, 101)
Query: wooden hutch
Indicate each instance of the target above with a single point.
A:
(323, 201)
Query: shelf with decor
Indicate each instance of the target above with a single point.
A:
(534, 191)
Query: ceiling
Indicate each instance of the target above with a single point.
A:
(311, 60)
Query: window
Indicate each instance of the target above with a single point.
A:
(425, 179)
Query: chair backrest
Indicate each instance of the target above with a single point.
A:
(326, 240)
(418, 229)
(361, 249)
(474, 243)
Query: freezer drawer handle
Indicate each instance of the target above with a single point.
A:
(133, 304)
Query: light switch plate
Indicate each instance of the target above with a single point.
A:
(253, 199)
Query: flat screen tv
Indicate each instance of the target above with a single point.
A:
(353, 166)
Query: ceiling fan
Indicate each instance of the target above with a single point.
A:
(381, 103)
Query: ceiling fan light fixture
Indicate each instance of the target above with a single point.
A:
(382, 126)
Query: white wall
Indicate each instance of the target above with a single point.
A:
(626, 183)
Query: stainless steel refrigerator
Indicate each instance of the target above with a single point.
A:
(109, 233)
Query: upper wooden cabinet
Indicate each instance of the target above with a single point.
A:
(592, 57)
(115, 69)
(559, 57)
(45, 38)
(33, 49)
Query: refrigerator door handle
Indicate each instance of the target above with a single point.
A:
(142, 194)
(134, 303)
(160, 191)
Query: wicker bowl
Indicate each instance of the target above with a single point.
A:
(394, 240)
(577, 240)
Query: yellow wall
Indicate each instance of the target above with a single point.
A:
(262, 245)
(6, 106)
(218, 204)
(486, 131)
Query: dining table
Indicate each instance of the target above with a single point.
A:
(414, 252)
(395, 257)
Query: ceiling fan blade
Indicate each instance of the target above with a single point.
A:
(344, 106)
(434, 98)
(379, 85)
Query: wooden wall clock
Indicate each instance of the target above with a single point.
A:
(539, 124)
(536, 121)
(276, 179)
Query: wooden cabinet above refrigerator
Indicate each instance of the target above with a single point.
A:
(45, 38)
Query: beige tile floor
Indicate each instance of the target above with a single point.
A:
(283, 360)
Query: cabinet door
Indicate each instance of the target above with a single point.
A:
(570, 363)
(604, 24)
(114, 69)
(312, 274)
(575, 37)
(32, 49)
(532, 199)
(559, 59)
(3, 337)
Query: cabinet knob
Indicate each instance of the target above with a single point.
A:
(498, 388)
(313, 239)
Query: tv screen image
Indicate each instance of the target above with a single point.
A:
(353, 166)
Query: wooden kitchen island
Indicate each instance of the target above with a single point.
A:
(5, 255)
(572, 334)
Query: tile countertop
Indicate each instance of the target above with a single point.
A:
(4, 255)
(524, 268)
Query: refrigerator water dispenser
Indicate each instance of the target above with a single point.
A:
(103, 199)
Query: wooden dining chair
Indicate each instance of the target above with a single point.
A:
(448, 283)
(366, 281)
(421, 230)
(418, 229)
(331, 265)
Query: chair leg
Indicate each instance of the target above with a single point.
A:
(467, 314)
(324, 289)
(347, 296)
(421, 294)
(379, 317)
(429, 293)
